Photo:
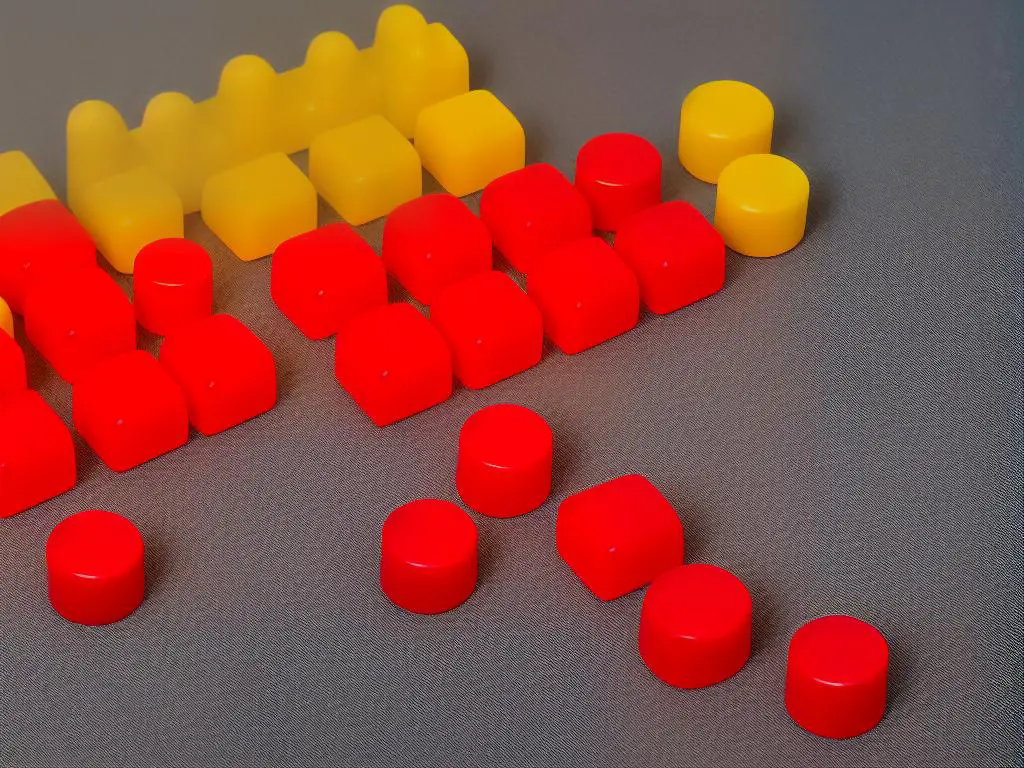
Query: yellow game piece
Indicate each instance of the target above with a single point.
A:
(721, 121)
(365, 169)
(467, 141)
(761, 208)
(256, 206)
(6, 319)
(21, 182)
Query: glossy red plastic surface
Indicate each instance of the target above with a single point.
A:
(12, 367)
(173, 285)
(619, 535)
(619, 174)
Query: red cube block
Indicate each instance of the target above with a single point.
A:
(129, 410)
(493, 328)
(322, 279)
(619, 536)
(586, 295)
(78, 318)
(226, 372)
(434, 241)
(393, 363)
(173, 284)
(619, 174)
(532, 211)
(37, 454)
(678, 257)
(12, 367)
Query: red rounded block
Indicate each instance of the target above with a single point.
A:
(586, 295)
(94, 568)
(12, 367)
(695, 626)
(393, 363)
(40, 241)
(619, 535)
(532, 211)
(493, 328)
(226, 372)
(619, 174)
(836, 677)
(322, 279)
(505, 457)
(434, 241)
(37, 454)
(428, 556)
(677, 256)
(173, 285)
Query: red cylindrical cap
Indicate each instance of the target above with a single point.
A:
(428, 556)
(505, 457)
(94, 566)
(695, 626)
(619, 174)
(173, 284)
(836, 677)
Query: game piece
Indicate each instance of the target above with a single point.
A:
(322, 279)
(226, 372)
(533, 211)
(619, 174)
(586, 294)
(129, 410)
(37, 454)
(173, 285)
(432, 242)
(365, 169)
(428, 556)
(393, 363)
(677, 256)
(721, 121)
(6, 318)
(493, 328)
(761, 206)
(695, 626)
(94, 567)
(619, 535)
(836, 677)
(505, 458)
(21, 183)
(12, 367)
(469, 140)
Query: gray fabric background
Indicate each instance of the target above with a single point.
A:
(840, 426)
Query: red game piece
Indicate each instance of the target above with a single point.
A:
(619, 174)
(619, 535)
(532, 211)
(505, 456)
(12, 367)
(678, 257)
(586, 295)
(322, 279)
(393, 363)
(37, 454)
(173, 284)
(78, 318)
(428, 556)
(94, 567)
(695, 626)
(226, 372)
(434, 241)
(836, 677)
(493, 328)
(39, 241)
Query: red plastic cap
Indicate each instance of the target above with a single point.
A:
(505, 457)
(173, 285)
(428, 558)
(619, 174)
(695, 626)
(12, 367)
(94, 566)
(836, 677)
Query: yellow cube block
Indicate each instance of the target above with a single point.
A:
(365, 169)
(256, 206)
(21, 182)
(467, 141)
(6, 319)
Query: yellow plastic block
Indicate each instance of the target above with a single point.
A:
(6, 319)
(258, 205)
(761, 208)
(721, 121)
(21, 182)
(467, 141)
(365, 169)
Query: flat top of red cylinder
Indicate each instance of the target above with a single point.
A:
(697, 601)
(618, 159)
(839, 650)
(94, 544)
(507, 435)
(429, 533)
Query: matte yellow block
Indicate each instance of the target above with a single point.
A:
(761, 208)
(21, 182)
(258, 205)
(6, 319)
(467, 141)
(721, 121)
